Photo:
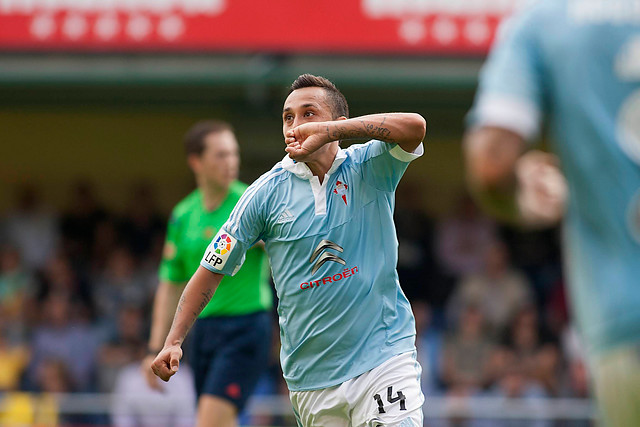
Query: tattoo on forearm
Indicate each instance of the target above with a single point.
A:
(343, 132)
(377, 131)
(180, 303)
(354, 131)
(205, 300)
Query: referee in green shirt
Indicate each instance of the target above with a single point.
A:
(232, 336)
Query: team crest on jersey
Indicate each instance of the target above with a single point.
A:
(218, 251)
(341, 190)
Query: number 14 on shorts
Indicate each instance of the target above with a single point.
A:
(400, 396)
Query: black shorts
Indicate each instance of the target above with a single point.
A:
(228, 355)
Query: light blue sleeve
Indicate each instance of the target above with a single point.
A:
(226, 252)
(511, 86)
(381, 164)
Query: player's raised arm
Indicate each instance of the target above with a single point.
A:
(195, 297)
(405, 129)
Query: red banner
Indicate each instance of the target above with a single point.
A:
(327, 26)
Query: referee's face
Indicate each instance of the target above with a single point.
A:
(219, 162)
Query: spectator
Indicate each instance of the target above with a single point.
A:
(120, 284)
(466, 355)
(13, 359)
(59, 277)
(16, 290)
(498, 290)
(143, 225)
(32, 228)
(54, 377)
(530, 350)
(61, 336)
(79, 222)
(107, 238)
(125, 347)
(135, 404)
(463, 238)
(537, 254)
(429, 345)
(417, 267)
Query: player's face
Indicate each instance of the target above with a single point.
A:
(220, 160)
(304, 105)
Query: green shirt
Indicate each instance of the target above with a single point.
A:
(191, 228)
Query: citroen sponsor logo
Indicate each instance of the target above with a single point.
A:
(320, 254)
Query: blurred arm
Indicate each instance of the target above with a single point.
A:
(526, 188)
(491, 155)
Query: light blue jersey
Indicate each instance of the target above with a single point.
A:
(333, 254)
(579, 62)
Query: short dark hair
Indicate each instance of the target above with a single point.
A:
(337, 101)
(195, 136)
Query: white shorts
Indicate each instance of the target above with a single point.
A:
(387, 395)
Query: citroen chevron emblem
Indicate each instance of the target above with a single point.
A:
(326, 256)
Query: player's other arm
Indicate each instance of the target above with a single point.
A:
(526, 188)
(404, 129)
(195, 297)
(164, 305)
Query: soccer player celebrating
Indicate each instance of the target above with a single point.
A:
(578, 61)
(232, 337)
(326, 217)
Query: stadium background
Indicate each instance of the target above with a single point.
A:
(94, 101)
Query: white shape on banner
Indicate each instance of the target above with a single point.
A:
(412, 31)
(107, 26)
(74, 26)
(171, 27)
(189, 7)
(138, 27)
(444, 30)
(42, 26)
(477, 31)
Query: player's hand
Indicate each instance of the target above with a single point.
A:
(542, 189)
(304, 140)
(167, 362)
(149, 375)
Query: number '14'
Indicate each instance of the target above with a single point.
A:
(391, 399)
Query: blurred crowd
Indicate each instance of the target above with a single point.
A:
(77, 286)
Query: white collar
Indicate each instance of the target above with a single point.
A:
(301, 170)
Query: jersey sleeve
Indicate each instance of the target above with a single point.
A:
(226, 252)
(172, 266)
(382, 164)
(511, 86)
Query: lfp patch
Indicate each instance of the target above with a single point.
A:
(218, 251)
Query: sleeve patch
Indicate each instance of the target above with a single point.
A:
(219, 250)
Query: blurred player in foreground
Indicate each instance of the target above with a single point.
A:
(326, 217)
(232, 337)
(578, 62)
